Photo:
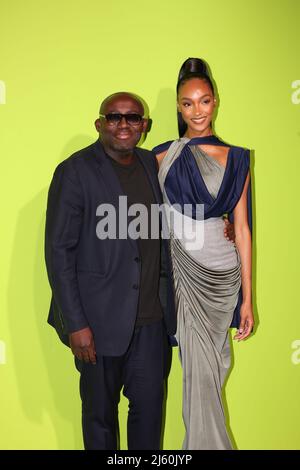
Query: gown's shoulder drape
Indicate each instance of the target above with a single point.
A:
(162, 147)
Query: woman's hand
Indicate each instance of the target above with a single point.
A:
(246, 324)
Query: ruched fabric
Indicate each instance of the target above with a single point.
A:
(207, 280)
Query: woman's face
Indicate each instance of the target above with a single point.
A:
(196, 103)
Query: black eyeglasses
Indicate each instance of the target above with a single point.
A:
(133, 119)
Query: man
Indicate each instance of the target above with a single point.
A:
(112, 297)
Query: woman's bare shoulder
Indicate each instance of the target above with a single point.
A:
(161, 150)
(160, 156)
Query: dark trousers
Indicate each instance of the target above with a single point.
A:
(142, 370)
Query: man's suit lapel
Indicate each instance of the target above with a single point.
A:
(152, 175)
(109, 177)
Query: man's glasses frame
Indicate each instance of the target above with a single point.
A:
(133, 119)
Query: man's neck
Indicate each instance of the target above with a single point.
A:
(124, 158)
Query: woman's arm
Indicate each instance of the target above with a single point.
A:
(243, 243)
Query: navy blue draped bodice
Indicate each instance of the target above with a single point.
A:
(185, 185)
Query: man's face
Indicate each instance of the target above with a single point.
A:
(121, 137)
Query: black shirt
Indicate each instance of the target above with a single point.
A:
(136, 186)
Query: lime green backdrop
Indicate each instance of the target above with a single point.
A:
(58, 60)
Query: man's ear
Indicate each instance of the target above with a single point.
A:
(146, 124)
(149, 125)
(98, 124)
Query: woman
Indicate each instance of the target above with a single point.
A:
(199, 168)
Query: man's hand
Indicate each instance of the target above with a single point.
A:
(229, 231)
(82, 345)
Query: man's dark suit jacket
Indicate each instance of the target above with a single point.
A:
(95, 282)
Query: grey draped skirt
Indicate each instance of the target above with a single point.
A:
(207, 283)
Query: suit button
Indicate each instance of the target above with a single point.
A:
(137, 259)
(135, 286)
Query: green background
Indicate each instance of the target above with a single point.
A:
(58, 60)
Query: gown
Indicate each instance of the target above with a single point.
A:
(207, 277)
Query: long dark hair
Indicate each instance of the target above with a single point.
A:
(191, 68)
